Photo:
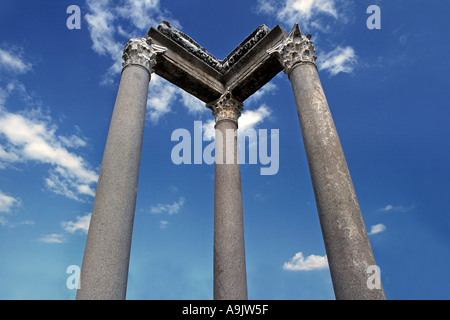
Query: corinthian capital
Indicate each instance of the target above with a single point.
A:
(295, 49)
(226, 108)
(142, 52)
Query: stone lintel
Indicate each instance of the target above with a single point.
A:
(256, 67)
(185, 70)
(244, 77)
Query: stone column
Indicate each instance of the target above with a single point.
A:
(104, 271)
(230, 279)
(346, 241)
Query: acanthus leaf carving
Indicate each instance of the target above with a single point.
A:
(141, 51)
(295, 49)
(226, 108)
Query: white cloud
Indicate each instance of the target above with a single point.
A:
(194, 105)
(141, 13)
(111, 24)
(319, 15)
(6, 223)
(7, 202)
(28, 138)
(163, 224)
(8, 155)
(387, 208)
(80, 224)
(73, 141)
(170, 209)
(268, 88)
(399, 208)
(53, 238)
(161, 95)
(17, 87)
(300, 263)
(250, 118)
(208, 129)
(12, 61)
(378, 228)
(304, 10)
(342, 59)
(101, 25)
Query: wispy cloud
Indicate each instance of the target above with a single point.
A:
(341, 59)
(377, 228)
(300, 263)
(268, 88)
(161, 96)
(111, 24)
(306, 10)
(7, 202)
(80, 224)
(12, 61)
(12, 224)
(31, 136)
(171, 208)
(193, 105)
(399, 208)
(163, 224)
(53, 238)
(315, 14)
(7, 206)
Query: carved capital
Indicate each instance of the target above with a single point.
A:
(295, 49)
(226, 108)
(142, 52)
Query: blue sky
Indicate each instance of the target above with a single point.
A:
(388, 93)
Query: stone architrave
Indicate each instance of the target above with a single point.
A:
(230, 278)
(346, 241)
(104, 270)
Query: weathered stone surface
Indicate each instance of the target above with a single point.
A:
(190, 67)
(255, 68)
(142, 52)
(104, 271)
(230, 278)
(246, 45)
(346, 241)
(295, 49)
(190, 45)
(220, 65)
(227, 83)
(226, 108)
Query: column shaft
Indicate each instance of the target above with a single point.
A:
(346, 241)
(230, 279)
(347, 244)
(105, 264)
